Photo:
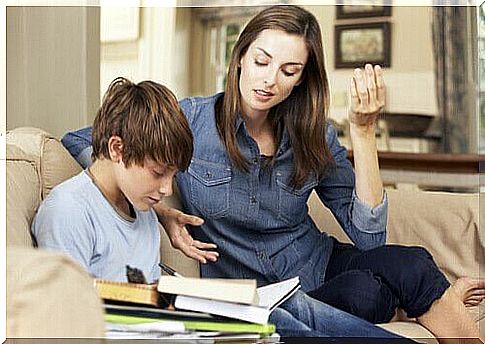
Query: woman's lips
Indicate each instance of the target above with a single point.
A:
(262, 95)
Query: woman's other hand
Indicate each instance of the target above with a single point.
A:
(367, 96)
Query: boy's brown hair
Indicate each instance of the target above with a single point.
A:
(149, 120)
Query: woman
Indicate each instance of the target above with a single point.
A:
(261, 147)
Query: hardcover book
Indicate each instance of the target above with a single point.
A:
(229, 290)
(270, 297)
(145, 294)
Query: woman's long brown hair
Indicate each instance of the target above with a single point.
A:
(303, 113)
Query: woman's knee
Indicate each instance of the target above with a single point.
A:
(417, 282)
(360, 293)
(417, 264)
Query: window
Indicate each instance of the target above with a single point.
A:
(225, 37)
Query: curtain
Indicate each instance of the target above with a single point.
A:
(453, 70)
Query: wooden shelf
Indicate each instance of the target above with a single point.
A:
(432, 169)
(431, 162)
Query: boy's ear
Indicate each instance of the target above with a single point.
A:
(115, 148)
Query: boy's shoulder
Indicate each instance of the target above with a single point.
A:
(72, 191)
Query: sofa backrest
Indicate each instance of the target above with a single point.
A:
(36, 162)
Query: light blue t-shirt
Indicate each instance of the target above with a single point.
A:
(78, 220)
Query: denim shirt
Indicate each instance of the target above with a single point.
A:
(259, 222)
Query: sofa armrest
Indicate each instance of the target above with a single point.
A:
(49, 295)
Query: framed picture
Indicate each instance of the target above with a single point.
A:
(357, 44)
(362, 11)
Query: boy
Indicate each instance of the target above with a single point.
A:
(103, 217)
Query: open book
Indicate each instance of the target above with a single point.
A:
(270, 297)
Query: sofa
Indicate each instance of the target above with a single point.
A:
(49, 295)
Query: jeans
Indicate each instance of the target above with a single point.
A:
(372, 284)
(303, 316)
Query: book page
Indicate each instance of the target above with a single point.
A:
(272, 295)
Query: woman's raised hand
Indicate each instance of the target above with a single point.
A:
(367, 95)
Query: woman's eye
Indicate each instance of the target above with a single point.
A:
(260, 63)
(288, 73)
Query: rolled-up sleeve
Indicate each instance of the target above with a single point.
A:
(365, 226)
(367, 219)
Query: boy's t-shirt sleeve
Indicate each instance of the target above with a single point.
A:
(62, 225)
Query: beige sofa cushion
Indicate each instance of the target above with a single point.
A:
(50, 296)
(36, 162)
(411, 329)
(53, 161)
(23, 196)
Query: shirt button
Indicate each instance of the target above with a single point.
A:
(255, 161)
(252, 199)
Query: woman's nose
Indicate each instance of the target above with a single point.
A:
(270, 78)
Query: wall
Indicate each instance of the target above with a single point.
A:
(52, 67)
(58, 73)
(161, 52)
(409, 80)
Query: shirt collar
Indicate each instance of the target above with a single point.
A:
(285, 139)
(239, 122)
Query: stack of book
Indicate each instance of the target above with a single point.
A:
(192, 307)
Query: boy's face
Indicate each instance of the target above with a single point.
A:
(145, 186)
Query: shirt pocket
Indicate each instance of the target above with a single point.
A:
(292, 202)
(210, 187)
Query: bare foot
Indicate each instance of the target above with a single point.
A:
(470, 290)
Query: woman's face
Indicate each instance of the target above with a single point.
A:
(271, 67)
